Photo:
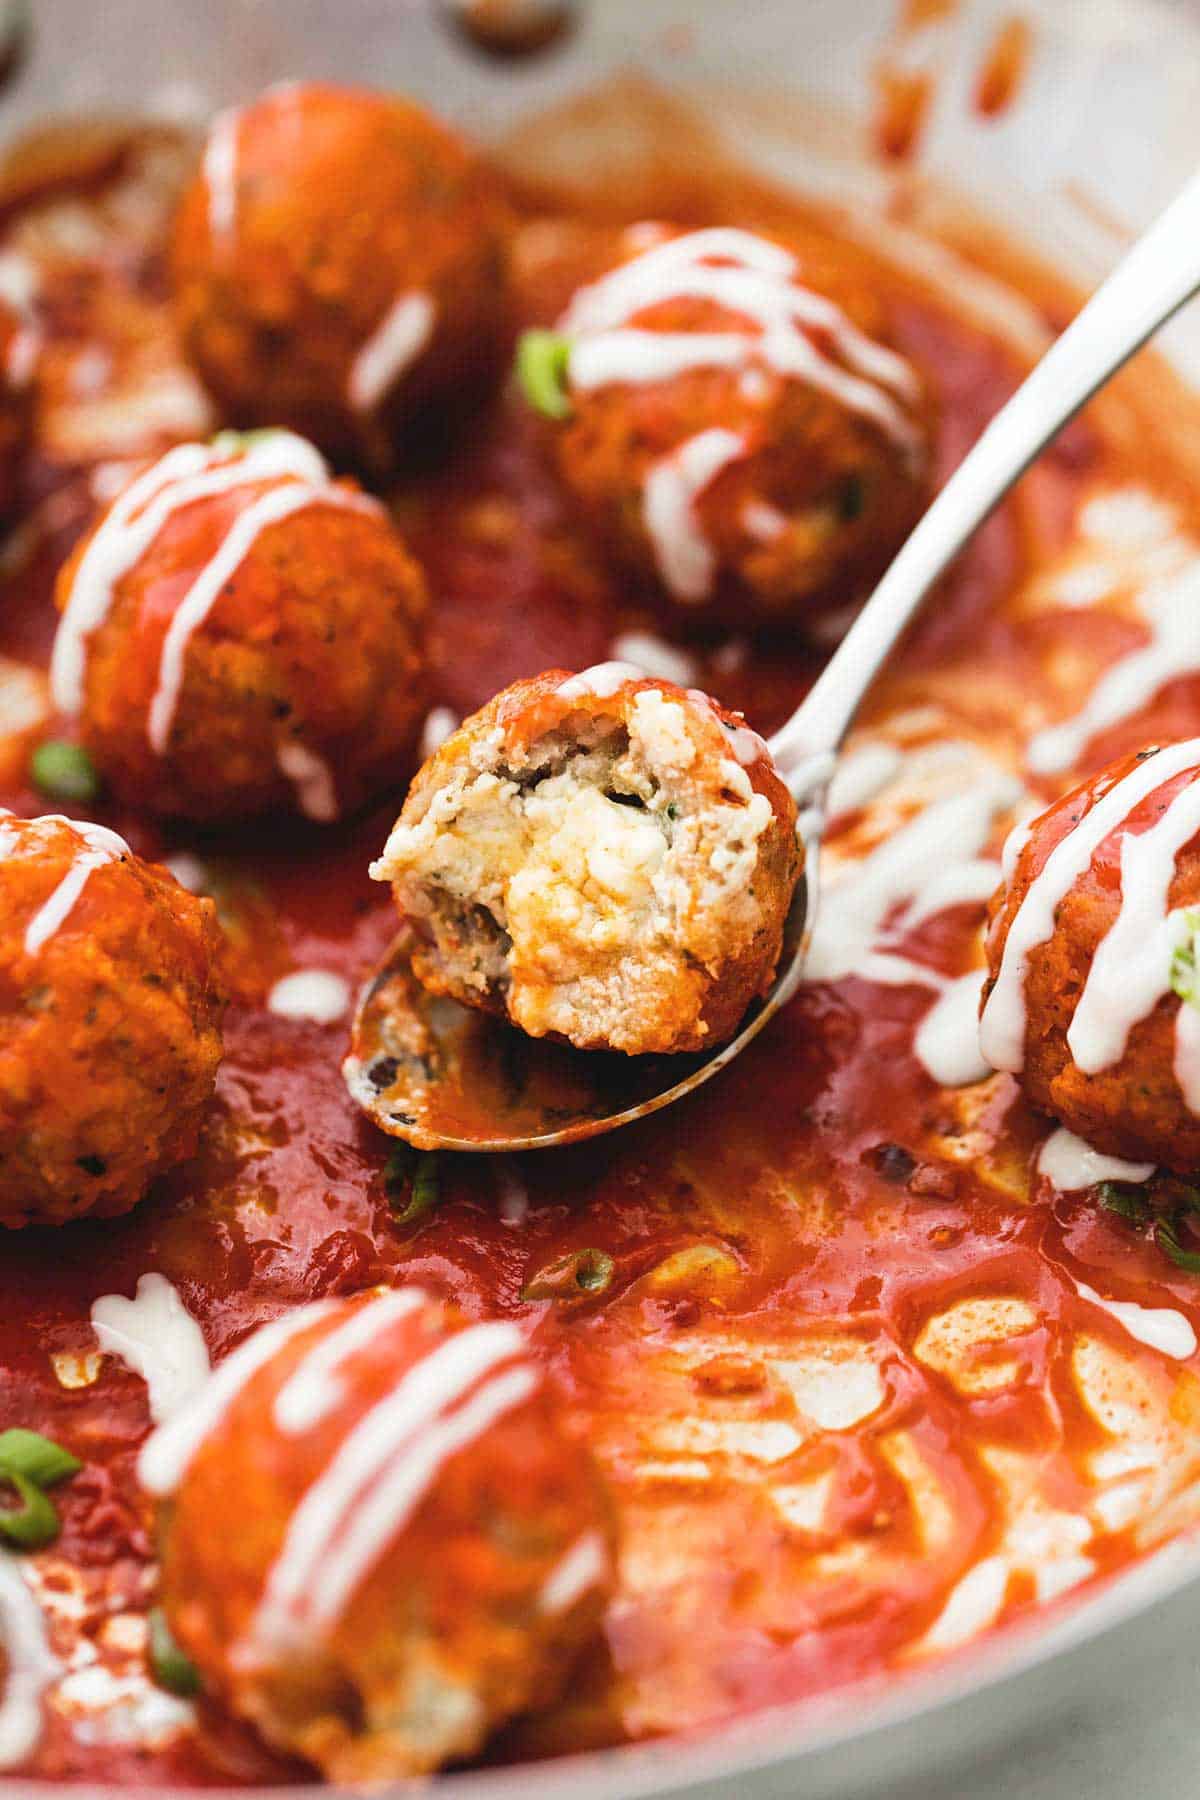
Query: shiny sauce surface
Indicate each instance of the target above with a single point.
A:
(853, 1408)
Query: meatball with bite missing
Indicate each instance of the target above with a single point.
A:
(110, 1021)
(378, 1541)
(242, 634)
(337, 266)
(731, 423)
(1093, 988)
(602, 857)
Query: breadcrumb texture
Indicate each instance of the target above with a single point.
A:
(316, 641)
(1134, 1108)
(453, 1631)
(110, 1032)
(344, 200)
(841, 495)
(605, 858)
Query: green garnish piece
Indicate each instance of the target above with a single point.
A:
(398, 1167)
(425, 1191)
(1185, 979)
(1122, 1198)
(1166, 1236)
(237, 443)
(34, 1523)
(578, 1272)
(169, 1667)
(39, 1459)
(542, 359)
(63, 771)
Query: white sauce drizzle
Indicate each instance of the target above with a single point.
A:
(862, 774)
(1170, 609)
(270, 509)
(315, 994)
(313, 780)
(1131, 970)
(356, 1506)
(757, 280)
(316, 1389)
(168, 1452)
(219, 169)
(188, 473)
(31, 1664)
(440, 723)
(156, 1336)
(600, 682)
(947, 1039)
(684, 556)
(584, 1564)
(1003, 1023)
(401, 336)
(655, 657)
(1070, 1163)
(1159, 1327)
(100, 846)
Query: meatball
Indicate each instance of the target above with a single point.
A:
(110, 1021)
(1093, 990)
(242, 634)
(731, 423)
(378, 1542)
(337, 265)
(605, 858)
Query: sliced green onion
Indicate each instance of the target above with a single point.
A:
(64, 771)
(1166, 1236)
(237, 443)
(542, 359)
(1122, 1198)
(39, 1459)
(1184, 962)
(34, 1523)
(170, 1668)
(425, 1191)
(578, 1272)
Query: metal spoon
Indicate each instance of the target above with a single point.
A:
(440, 1075)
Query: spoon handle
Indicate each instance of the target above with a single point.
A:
(1152, 282)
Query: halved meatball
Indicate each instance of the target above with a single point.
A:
(1093, 991)
(378, 1540)
(337, 265)
(111, 1002)
(603, 857)
(732, 423)
(242, 634)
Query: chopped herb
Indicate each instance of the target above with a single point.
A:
(63, 771)
(398, 1167)
(1184, 979)
(542, 359)
(34, 1523)
(1166, 1236)
(578, 1272)
(39, 1459)
(238, 443)
(1122, 1198)
(424, 1193)
(170, 1668)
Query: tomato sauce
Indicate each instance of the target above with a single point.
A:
(791, 1237)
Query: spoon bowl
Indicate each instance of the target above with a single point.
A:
(443, 1076)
